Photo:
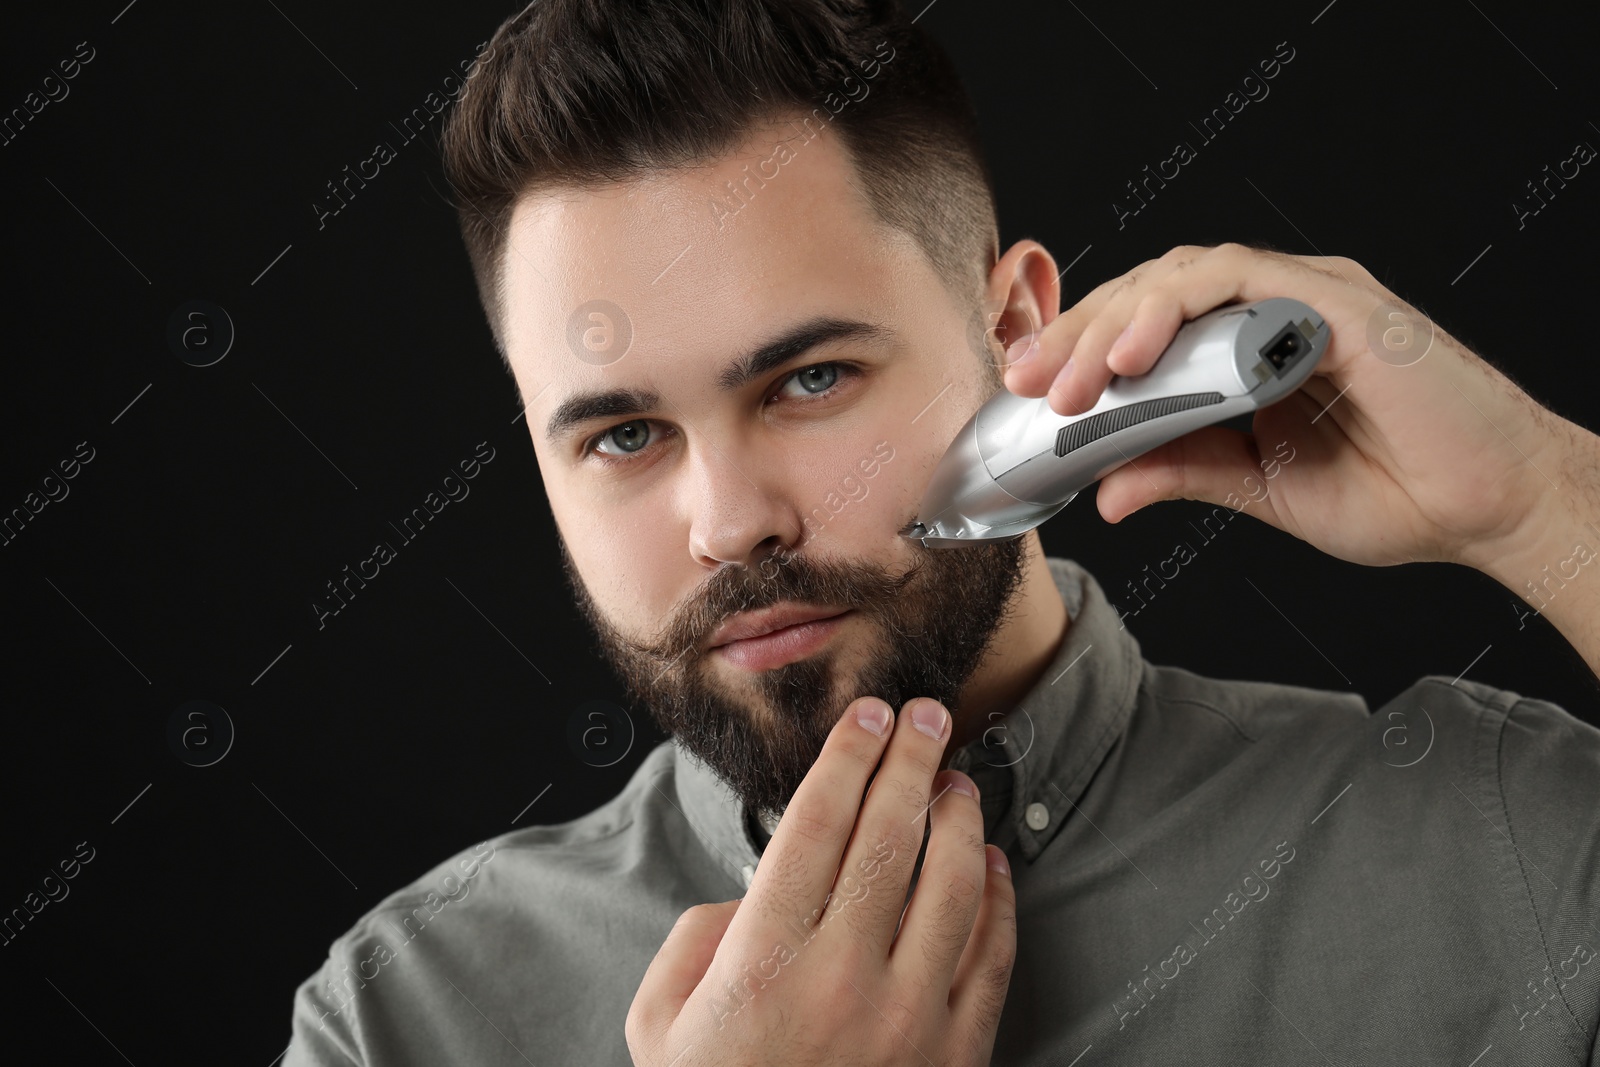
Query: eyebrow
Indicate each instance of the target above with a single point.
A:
(791, 344)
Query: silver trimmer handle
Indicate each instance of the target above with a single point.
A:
(1017, 462)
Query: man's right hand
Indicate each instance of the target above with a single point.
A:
(816, 964)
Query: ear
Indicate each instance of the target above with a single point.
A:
(1023, 297)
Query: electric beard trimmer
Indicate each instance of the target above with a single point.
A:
(1016, 462)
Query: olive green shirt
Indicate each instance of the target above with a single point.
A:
(1207, 871)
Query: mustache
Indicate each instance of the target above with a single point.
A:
(781, 577)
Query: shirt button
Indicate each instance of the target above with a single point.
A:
(1037, 816)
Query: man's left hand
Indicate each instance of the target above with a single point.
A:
(1404, 446)
(1416, 450)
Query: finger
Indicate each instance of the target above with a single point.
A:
(1033, 361)
(888, 833)
(978, 992)
(1213, 463)
(938, 921)
(678, 968)
(1191, 283)
(1139, 321)
(1036, 376)
(798, 865)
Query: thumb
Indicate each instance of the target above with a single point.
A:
(1208, 464)
(680, 964)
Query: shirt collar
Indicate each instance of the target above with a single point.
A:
(1056, 738)
(1031, 766)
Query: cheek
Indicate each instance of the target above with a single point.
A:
(625, 564)
(633, 564)
(862, 509)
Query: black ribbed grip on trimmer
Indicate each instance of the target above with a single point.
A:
(1084, 431)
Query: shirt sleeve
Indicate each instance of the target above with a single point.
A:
(1549, 764)
(319, 1036)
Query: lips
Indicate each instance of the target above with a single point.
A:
(756, 623)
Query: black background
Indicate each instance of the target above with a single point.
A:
(430, 712)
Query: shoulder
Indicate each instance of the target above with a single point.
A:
(1537, 754)
(1539, 761)
(1544, 763)
(512, 895)
(1255, 710)
(1532, 777)
(1514, 778)
(543, 855)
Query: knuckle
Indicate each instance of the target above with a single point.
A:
(949, 922)
(904, 838)
(997, 975)
(993, 986)
(902, 1017)
(815, 822)
(904, 791)
(788, 880)
(1181, 263)
(1351, 267)
(862, 751)
(962, 889)
(1142, 306)
(921, 753)
(1005, 946)
(834, 1000)
(697, 915)
(870, 928)
(634, 1030)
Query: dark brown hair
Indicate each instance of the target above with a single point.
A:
(577, 92)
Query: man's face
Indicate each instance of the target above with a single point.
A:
(733, 487)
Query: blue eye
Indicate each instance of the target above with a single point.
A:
(624, 439)
(816, 379)
(629, 437)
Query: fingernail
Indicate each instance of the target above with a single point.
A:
(930, 717)
(998, 861)
(875, 715)
(960, 783)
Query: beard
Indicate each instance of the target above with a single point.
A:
(931, 626)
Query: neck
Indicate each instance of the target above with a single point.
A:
(1022, 649)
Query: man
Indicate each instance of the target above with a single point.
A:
(744, 268)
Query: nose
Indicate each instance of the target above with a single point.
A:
(740, 508)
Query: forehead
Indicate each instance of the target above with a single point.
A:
(699, 257)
